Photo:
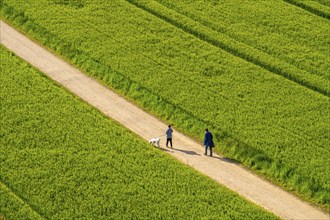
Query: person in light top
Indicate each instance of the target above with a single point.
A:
(169, 132)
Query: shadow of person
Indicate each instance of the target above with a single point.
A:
(227, 160)
(190, 152)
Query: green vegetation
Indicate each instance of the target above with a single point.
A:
(274, 45)
(12, 207)
(264, 93)
(62, 159)
(317, 7)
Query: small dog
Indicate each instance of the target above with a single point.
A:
(155, 141)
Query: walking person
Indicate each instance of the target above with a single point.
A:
(208, 141)
(169, 135)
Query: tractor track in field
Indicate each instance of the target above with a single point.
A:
(232, 49)
(310, 9)
(21, 199)
(188, 151)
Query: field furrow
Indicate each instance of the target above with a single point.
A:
(319, 8)
(277, 60)
(13, 207)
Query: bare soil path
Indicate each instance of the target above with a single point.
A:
(232, 175)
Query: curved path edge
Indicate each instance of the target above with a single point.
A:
(229, 174)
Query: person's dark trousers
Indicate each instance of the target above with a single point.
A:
(169, 140)
(206, 147)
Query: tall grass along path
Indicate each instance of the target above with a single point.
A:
(186, 150)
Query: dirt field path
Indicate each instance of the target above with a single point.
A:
(185, 149)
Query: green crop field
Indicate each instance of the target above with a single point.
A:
(62, 159)
(317, 7)
(255, 72)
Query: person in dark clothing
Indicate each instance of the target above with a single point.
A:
(169, 136)
(208, 141)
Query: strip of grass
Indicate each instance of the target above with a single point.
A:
(319, 8)
(13, 207)
(262, 120)
(66, 160)
(276, 43)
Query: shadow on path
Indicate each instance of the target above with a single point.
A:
(190, 152)
(227, 160)
(164, 149)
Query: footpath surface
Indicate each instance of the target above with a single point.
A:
(232, 175)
